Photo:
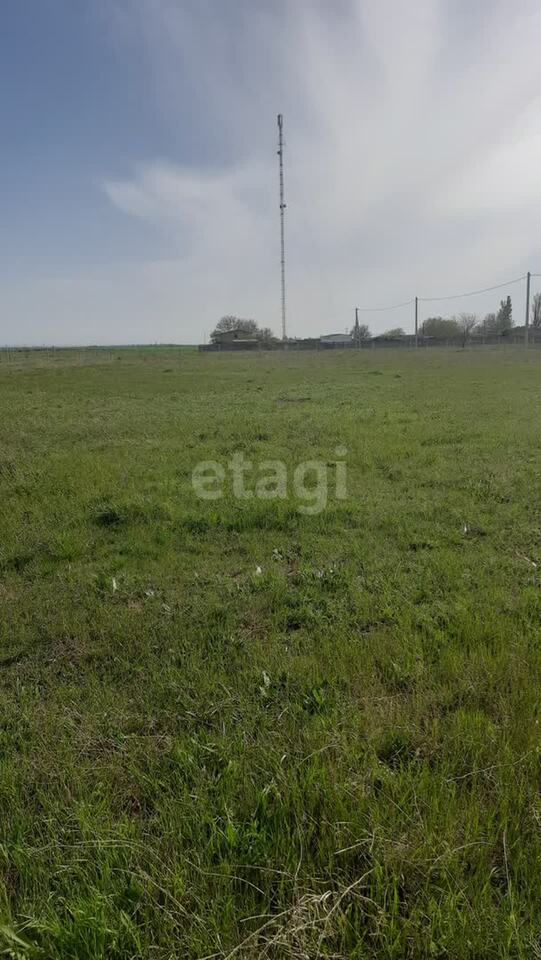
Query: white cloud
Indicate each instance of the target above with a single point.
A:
(413, 141)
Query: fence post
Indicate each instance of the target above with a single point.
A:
(416, 321)
(527, 323)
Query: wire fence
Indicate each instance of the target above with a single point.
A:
(46, 355)
(82, 355)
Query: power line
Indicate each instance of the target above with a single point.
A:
(394, 306)
(474, 293)
(454, 296)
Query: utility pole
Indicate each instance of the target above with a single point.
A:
(282, 209)
(357, 334)
(416, 321)
(527, 324)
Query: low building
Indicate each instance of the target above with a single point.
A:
(236, 339)
(237, 333)
(335, 338)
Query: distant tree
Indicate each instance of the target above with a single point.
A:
(231, 322)
(536, 310)
(248, 328)
(498, 323)
(441, 328)
(466, 323)
(265, 335)
(504, 318)
(490, 323)
(360, 333)
(394, 334)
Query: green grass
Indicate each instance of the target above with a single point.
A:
(336, 758)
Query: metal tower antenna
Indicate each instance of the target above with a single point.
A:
(282, 208)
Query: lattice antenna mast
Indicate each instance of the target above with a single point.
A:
(282, 209)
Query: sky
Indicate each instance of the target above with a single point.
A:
(139, 173)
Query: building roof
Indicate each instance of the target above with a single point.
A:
(236, 333)
(336, 337)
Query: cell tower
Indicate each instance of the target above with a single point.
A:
(282, 208)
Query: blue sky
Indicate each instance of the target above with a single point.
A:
(138, 161)
(75, 107)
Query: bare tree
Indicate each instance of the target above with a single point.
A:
(466, 323)
(536, 310)
(266, 335)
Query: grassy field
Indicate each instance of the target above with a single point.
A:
(334, 755)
